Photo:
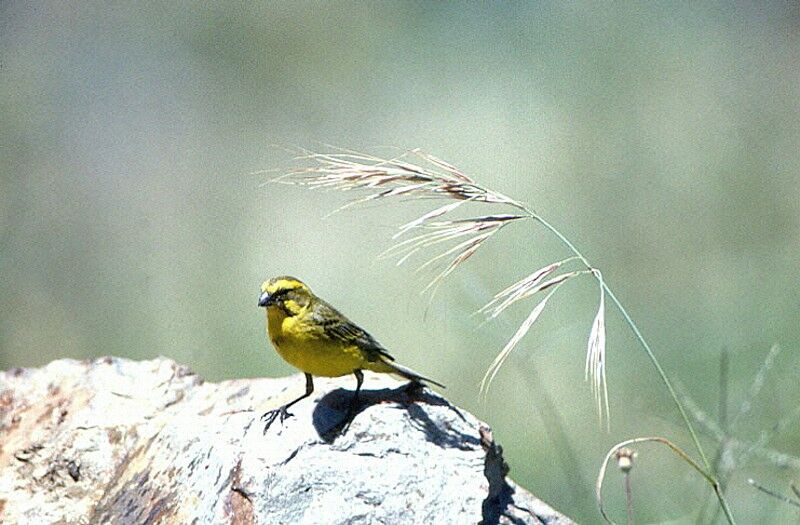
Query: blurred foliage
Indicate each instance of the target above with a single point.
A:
(662, 138)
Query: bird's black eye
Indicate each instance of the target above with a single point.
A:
(280, 294)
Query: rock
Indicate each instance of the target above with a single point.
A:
(119, 441)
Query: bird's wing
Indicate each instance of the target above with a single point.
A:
(338, 327)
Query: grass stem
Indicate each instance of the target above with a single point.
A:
(707, 471)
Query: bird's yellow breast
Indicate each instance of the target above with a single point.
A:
(304, 346)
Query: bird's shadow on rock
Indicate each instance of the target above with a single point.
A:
(330, 416)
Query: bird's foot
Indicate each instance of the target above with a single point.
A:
(270, 417)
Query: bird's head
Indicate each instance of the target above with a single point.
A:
(286, 293)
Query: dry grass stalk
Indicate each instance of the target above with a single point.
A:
(491, 372)
(775, 494)
(758, 383)
(614, 451)
(625, 459)
(347, 170)
(596, 356)
(476, 229)
(434, 178)
(734, 452)
(521, 289)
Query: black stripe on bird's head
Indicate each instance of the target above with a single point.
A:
(280, 290)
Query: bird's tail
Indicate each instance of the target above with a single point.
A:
(390, 367)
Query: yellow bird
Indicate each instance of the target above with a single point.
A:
(313, 336)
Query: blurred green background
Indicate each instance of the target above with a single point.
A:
(663, 139)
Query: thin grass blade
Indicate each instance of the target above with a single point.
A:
(757, 384)
(513, 293)
(438, 212)
(523, 329)
(596, 358)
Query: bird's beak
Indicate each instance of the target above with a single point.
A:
(263, 299)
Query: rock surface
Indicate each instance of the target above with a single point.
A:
(118, 441)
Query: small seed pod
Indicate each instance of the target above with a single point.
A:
(625, 458)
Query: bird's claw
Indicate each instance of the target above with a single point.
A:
(270, 417)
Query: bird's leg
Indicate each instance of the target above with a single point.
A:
(283, 412)
(351, 411)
